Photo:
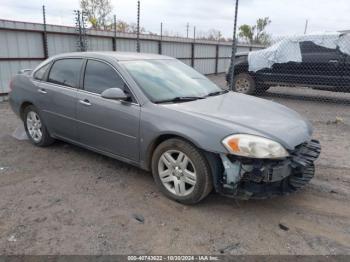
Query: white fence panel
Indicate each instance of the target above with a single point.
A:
(149, 46)
(58, 43)
(205, 66)
(20, 44)
(10, 68)
(100, 44)
(126, 45)
(204, 50)
(178, 50)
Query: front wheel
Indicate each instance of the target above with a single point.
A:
(244, 83)
(181, 171)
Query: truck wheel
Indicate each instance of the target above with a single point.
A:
(244, 83)
(181, 171)
(261, 89)
(35, 128)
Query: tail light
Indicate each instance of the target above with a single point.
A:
(11, 85)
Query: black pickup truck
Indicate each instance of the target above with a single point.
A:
(317, 64)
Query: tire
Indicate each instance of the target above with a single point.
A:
(244, 83)
(178, 182)
(34, 126)
(261, 89)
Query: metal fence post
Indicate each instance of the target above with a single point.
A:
(45, 46)
(193, 46)
(80, 28)
(234, 46)
(160, 40)
(83, 27)
(138, 28)
(114, 39)
(217, 59)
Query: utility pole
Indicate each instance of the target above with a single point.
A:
(234, 47)
(138, 28)
(306, 26)
(187, 28)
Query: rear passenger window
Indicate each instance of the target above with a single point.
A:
(309, 47)
(66, 72)
(40, 73)
(100, 76)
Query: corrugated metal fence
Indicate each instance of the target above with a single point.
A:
(22, 45)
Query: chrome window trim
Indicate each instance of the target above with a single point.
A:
(116, 70)
(99, 95)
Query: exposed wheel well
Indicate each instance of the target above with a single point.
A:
(23, 106)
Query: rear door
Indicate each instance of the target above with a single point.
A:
(321, 66)
(59, 97)
(108, 125)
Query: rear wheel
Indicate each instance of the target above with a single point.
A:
(35, 128)
(181, 171)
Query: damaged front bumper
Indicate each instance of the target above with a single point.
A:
(245, 178)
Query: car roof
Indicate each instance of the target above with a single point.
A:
(119, 56)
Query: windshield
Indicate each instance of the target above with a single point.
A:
(166, 80)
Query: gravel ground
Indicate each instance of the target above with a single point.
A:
(67, 200)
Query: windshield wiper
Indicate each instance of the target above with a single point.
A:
(180, 99)
(217, 93)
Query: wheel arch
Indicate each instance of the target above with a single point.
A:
(161, 138)
(23, 106)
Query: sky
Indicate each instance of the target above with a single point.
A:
(288, 17)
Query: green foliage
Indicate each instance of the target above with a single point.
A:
(98, 12)
(256, 34)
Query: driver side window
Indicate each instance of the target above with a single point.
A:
(100, 76)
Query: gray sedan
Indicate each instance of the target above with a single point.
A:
(161, 115)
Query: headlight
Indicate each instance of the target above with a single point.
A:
(254, 147)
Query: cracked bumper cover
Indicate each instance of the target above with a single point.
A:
(245, 178)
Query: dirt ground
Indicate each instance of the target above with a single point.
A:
(67, 200)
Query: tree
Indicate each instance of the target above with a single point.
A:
(246, 32)
(98, 12)
(256, 34)
(122, 26)
(133, 28)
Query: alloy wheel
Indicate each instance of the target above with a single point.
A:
(34, 126)
(177, 172)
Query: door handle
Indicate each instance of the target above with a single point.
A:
(334, 61)
(85, 102)
(42, 91)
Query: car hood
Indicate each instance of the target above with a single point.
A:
(250, 115)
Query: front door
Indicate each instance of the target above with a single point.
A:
(108, 125)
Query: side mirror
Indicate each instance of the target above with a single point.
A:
(115, 94)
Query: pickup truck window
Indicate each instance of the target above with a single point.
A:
(65, 72)
(309, 47)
